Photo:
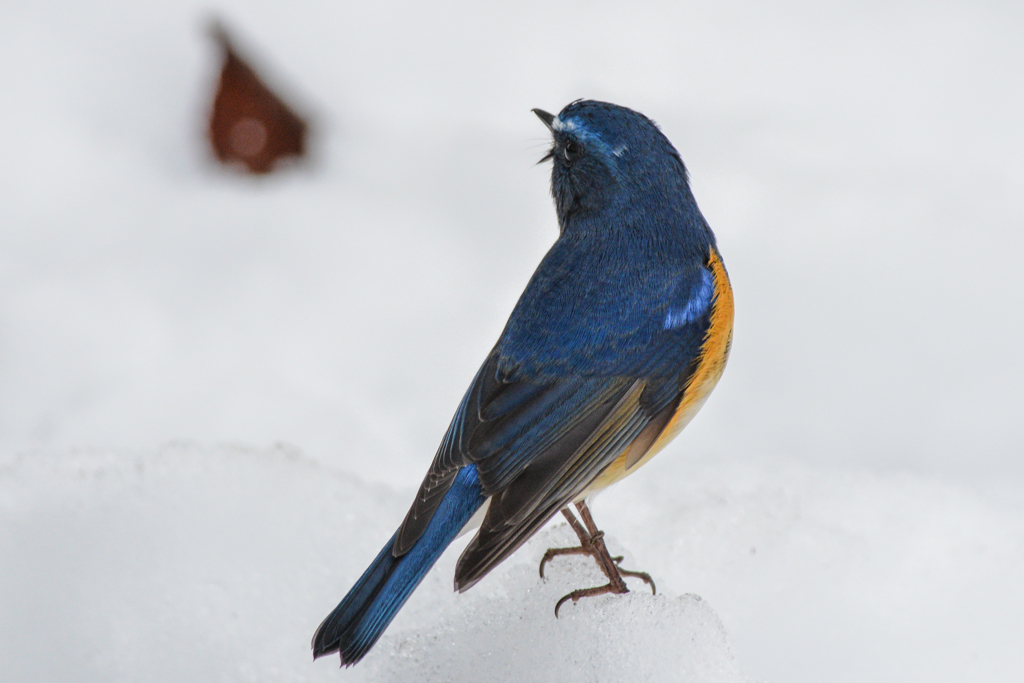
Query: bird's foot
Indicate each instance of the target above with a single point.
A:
(586, 593)
(552, 553)
(643, 576)
(592, 543)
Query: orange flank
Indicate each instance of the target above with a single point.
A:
(713, 355)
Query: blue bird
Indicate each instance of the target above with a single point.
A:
(617, 341)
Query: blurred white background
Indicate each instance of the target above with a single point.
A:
(861, 164)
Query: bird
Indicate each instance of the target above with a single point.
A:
(622, 332)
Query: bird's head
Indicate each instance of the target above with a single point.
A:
(608, 158)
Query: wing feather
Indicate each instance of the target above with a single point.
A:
(538, 439)
(548, 485)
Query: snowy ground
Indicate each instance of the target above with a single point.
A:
(215, 564)
(200, 563)
(847, 505)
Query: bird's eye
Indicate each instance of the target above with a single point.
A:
(570, 150)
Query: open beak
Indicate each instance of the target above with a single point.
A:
(545, 117)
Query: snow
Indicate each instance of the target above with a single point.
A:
(199, 563)
(216, 563)
(219, 393)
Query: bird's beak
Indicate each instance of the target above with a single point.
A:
(546, 118)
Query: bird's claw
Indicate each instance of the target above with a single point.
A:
(587, 593)
(643, 576)
(592, 543)
(552, 553)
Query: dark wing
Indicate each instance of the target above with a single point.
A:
(539, 439)
(502, 427)
(556, 477)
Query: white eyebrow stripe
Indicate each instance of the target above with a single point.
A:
(695, 307)
(559, 124)
(620, 150)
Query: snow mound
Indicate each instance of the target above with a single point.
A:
(217, 563)
(511, 634)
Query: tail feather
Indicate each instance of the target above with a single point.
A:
(363, 615)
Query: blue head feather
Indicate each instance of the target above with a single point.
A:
(614, 166)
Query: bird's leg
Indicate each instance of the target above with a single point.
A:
(600, 552)
(588, 519)
(584, 548)
(592, 543)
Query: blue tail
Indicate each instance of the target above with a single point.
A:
(361, 617)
